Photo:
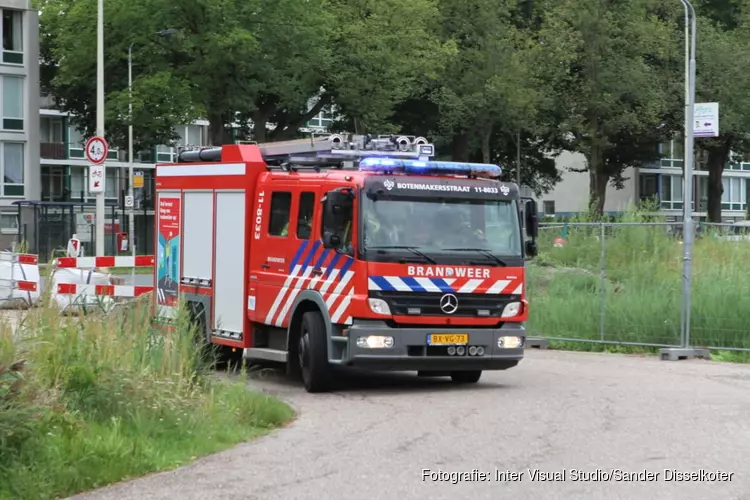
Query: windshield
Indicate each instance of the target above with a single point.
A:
(438, 226)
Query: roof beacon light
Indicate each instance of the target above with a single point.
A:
(391, 165)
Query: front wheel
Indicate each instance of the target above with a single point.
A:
(466, 377)
(312, 353)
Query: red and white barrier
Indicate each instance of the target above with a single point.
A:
(103, 290)
(19, 279)
(77, 284)
(87, 262)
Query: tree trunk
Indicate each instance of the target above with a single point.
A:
(717, 158)
(217, 132)
(460, 147)
(597, 192)
(486, 153)
(597, 182)
(260, 131)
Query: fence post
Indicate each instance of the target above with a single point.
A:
(603, 284)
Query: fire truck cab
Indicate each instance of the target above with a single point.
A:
(346, 250)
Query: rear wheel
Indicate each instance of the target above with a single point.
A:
(466, 377)
(312, 353)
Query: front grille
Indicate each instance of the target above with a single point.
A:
(428, 303)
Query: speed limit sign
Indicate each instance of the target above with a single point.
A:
(97, 150)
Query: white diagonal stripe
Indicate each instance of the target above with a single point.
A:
(518, 291)
(398, 284)
(293, 295)
(427, 284)
(329, 281)
(372, 285)
(497, 287)
(281, 294)
(342, 307)
(337, 291)
(470, 286)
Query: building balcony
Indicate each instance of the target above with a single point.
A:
(53, 150)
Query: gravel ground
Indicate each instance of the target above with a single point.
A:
(557, 411)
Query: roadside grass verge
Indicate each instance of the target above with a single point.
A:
(640, 297)
(88, 401)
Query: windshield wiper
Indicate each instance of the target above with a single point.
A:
(482, 251)
(411, 249)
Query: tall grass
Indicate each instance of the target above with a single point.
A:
(640, 296)
(89, 401)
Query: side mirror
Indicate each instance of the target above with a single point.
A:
(338, 208)
(531, 248)
(532, 219)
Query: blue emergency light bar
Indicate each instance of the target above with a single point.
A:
(391, 165)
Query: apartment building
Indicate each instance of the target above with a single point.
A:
(19, 125)
(661, 181)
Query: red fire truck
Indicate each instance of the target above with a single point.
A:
(346, 250)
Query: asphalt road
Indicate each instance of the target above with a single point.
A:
(372, 438)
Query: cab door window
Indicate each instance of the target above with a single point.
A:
(305, 215)
(281, 205)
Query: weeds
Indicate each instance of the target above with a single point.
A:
(640, 294)
(108, 396)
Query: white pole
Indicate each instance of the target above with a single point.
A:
(100, 122)
(131, 215)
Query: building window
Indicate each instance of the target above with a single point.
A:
(734, 196)
(672, 153)
(110, 185)
(191, 135)
(12, 36)
(549, 207)
(305, 215)
(12, 102)
(9, 222)
(648, 186)
(671, 192)
(281, 204)
(13, 169)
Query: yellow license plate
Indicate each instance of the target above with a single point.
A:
(447, 338)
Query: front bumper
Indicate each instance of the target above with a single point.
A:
(411, 352)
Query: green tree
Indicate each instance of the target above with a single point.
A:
(611, 64)
(723, 53)
(68, 70)
(227, 58)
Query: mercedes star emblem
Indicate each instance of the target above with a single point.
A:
(449, 303)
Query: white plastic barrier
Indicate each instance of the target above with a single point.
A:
(68, 302)
(19, 280)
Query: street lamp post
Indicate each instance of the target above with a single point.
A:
(685, 351)
(100, 121)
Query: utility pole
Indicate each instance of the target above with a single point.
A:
(685, 351)
(100, 122)
(131, 215)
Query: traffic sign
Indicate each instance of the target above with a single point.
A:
(137, 180)
(96, 179)
(97, 150)
(129, 202)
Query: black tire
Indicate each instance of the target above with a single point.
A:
(312, 353)
(466, 377)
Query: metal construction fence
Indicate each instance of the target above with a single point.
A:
(46, 227)
(622, 284)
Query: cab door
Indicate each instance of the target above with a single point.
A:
(285, 259)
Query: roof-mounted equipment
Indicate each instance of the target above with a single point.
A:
(419, 167)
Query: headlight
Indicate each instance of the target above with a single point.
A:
(375, 342)
(511, 310)
(379, 306)
(509, 342)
